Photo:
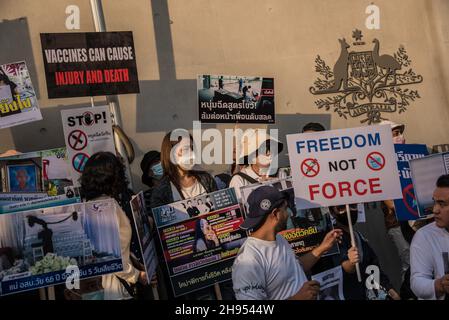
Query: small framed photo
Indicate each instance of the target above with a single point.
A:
(23, 175)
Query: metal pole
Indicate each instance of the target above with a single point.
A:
(353, 242)
(112, 100)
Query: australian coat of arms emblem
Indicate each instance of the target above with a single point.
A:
(366, 83)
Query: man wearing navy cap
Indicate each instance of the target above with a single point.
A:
(266, 267)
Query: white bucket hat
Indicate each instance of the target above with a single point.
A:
(252, 140)
(394, 125)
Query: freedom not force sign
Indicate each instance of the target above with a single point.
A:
(343, 166)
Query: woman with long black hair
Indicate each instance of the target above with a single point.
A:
(104, 177)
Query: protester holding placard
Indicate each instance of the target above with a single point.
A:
(104, 176)
(180, 181)
(363, 254)
(429, 250)
(391, 222)
(257, 150)
(266, 267)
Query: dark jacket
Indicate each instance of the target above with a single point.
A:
(163, 194)
(352, 289)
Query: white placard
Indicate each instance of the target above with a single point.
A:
(86, 131)
(343, 166)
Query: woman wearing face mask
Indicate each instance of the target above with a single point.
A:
(362, 253)
(152, 173)
(180, 182)
(256, 153)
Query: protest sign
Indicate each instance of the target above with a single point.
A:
(52, 165)
(144, 226)
(200, 238)
(425, 173)
(331, 284)
(89, 64)
(18, 101)
(343, 166)
(56, 171)
(406, 208)
(305, 228)
(46, 242)
(86, 131)
(235, 99)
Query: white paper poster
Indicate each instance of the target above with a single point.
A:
(86, 131)
(343, 166)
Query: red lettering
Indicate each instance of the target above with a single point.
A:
(59, 77)
(373, 185)
(356, 189)
(312, 190)
(125, 75)
(345, 186)
(333, 189)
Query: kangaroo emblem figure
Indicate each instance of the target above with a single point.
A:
(340, 70)
(386, 61)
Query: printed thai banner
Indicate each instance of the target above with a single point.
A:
(89, 64)
(305, 228)
(18, 101)
(47, 202)
(52, 165)
(425, 173)
(331, 284)
(200, 238)
(86, 131)
(145, 229)
(406, 208)
(45, 246)
(235, 99)
(7, 198)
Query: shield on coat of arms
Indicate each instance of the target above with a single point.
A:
(362, 65)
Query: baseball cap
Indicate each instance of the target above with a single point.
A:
(261, 202)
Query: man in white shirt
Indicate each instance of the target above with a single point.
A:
(429, 250)
(266, 267)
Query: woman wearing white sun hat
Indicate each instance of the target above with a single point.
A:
(258, 152)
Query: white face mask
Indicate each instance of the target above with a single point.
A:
(187, 161)
(264, 160)
(399, 139)
(263, 171)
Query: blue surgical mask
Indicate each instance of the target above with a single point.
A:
(158, 171)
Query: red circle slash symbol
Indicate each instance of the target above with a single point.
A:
(375, 161)
(310, 167)
(79, 161)
(409, 199)
(77, 140)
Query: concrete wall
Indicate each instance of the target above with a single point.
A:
(177, 39)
